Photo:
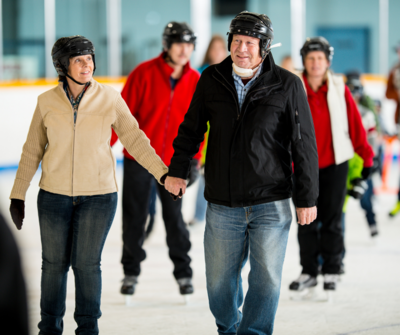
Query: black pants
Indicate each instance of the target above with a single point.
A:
(135, 208)
(326, 240)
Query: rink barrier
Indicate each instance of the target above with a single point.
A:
(121, 80)
(14, 167)
(389, 157)
(54, 82)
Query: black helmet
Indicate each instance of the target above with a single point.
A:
(177, 32)
(353, 82)
(253, 25)
(318, 43)
(67, 47)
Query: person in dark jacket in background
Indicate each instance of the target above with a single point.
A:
(339, 133)
(259, 122)
(158, 93)
(13, 305)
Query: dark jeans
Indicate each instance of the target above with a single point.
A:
(366, 203)
(135, 208)
(153, 198)
(328, 240)
(73, 231)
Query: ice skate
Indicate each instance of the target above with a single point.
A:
(303, 287)
(330, 281)
(185, 288)
(373, 230)
(395, 210)
(128, 288)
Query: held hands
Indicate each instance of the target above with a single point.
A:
(306, 215)
(17, 210)
(175, 186)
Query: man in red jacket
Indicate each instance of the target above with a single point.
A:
(158, 93)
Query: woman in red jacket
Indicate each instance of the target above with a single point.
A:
(339, 132)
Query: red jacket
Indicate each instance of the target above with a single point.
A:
(322, 124)
(158, 109)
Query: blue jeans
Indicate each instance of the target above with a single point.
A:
(233, 235)
(366, 203)
(201, 202)
(73, 231)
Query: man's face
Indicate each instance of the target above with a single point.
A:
(245, 51)
(316, 63)
(180, 52)
(81, 68)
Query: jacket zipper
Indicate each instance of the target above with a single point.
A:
(73, 145)
(296, 117)
(166, 125)
(235, 97)
(73, 153)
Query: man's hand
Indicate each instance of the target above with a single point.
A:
(175, 186)
(306, 215)
(17, 210)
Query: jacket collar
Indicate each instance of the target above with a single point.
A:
(167, 70)
(89, 91)
(270, 75)
(309, 90)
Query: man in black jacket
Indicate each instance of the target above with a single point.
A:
(260, 123)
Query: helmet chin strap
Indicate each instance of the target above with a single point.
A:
(74, 80)
(168, 58)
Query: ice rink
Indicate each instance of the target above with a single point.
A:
(367, 300)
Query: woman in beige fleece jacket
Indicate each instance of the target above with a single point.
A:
(70, 134)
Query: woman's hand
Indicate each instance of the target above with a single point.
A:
(17, 210)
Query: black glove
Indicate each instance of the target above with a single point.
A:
(17, 210)
(359, 188)
(175, 197)
(366, 172)
(194, 172)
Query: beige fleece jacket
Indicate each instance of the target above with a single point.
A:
(77, 159)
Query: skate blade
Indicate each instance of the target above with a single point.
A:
(128, 299)
(329, 296)
(186, 299)
(306, 294)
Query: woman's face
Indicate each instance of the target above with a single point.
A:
(217, 52)
(316, 64)
(81, 68)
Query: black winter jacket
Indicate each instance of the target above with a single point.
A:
(250, 150)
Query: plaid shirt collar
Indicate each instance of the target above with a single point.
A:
(242, 89)
(74, 102)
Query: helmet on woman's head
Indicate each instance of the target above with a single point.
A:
(253, 25)
(67, 47)
(177, 32)
(318, 43)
